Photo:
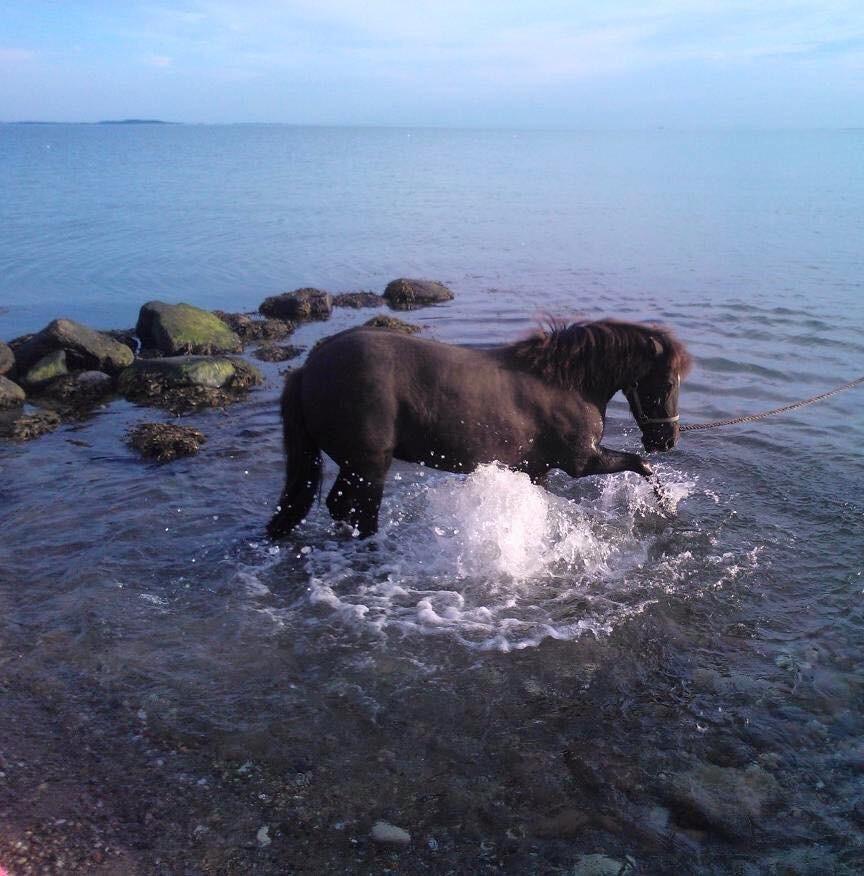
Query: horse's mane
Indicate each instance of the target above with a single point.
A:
(584, 354)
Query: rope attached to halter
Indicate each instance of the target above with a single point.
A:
(751, 418)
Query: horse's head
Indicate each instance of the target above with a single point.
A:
(653, 397)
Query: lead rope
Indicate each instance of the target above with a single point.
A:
(751, 418)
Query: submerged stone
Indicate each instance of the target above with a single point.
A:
(406, 294)
(277, 352)
(185, 383)
(725, 799)
(394, 324)
(47, 368)
(176, 329)
(18, 426)
(84, 348)
(164, 442)
(7, 358)
(358, 300)
(11, 395)
(300, 304)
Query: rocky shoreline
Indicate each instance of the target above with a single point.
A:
(178, 357)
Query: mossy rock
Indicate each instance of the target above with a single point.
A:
(177, 329)
(405, 294)
(11, 395)
(164, 442)
(186, 383)
(84, 348)
(394, 324)
(7, 358)
(301, 304)
(46, 369)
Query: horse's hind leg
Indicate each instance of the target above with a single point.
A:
(340, 499)
(356, 494)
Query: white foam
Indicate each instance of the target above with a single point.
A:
(495, 561)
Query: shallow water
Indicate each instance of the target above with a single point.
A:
(516, 676)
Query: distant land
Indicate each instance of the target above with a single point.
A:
(104, 122)
(134, 122)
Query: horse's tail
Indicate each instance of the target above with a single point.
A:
(303, 462)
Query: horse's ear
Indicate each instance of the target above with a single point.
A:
(657, 347)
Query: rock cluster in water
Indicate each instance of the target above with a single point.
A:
(178, 357)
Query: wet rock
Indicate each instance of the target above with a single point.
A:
(11, 395)
(600, 865)
(84, 348)
(358, 300)
(77, 393)
(177, 329)
(405, 294)
(249, 327)
(277, 352)
(724, 799)
(396, 325)
(18, 426)
(164, 441)
(301, 304)
(389, 834)
(46, 369)
(185, 383)
(7, 358)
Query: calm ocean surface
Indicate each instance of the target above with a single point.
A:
(518, 678)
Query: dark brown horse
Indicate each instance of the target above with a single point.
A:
(368, 395)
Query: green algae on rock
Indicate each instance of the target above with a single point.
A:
(178, 329)
(164, 442)
(185, 383)
(84, 348)
(7, 358)
(11, 395)
(47, 368)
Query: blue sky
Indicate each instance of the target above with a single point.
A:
(546, 63)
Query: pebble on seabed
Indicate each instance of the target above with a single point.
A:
(383, 832)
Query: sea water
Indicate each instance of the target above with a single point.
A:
(499, 653)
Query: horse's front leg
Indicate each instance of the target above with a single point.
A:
(606, 461)
(613, 461)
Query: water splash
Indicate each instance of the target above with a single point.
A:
(497, 562)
